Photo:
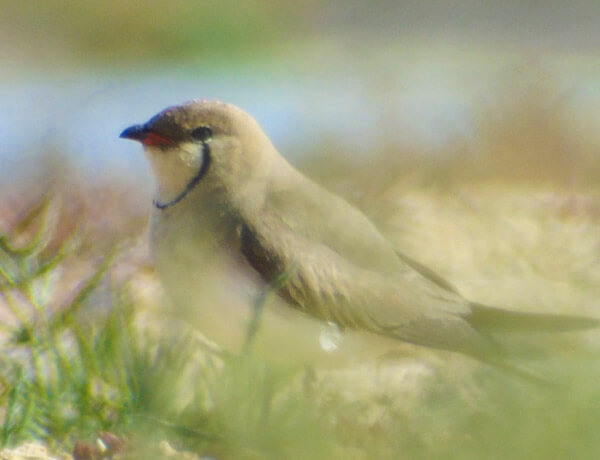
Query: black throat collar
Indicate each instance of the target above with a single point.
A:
(206, 159)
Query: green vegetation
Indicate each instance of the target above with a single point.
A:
(116, 32)
(69, 373)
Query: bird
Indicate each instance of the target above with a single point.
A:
(232, 214)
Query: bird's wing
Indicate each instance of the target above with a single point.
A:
(311, 212)
(314, 213)
(320, 282)
(334, 264)
(427, 273)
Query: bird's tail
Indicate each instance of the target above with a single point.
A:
(490, 319)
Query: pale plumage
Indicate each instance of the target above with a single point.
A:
(221, 180)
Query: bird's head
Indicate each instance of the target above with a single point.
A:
(204, 145)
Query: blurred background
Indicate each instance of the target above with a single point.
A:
(469, 131)
(355, 76)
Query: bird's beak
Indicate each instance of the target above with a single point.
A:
(146, 136)
(135, 133)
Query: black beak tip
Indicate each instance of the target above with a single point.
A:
(135, 133)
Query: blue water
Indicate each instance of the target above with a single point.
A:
(82, 114)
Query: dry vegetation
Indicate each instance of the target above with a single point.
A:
(509, 215)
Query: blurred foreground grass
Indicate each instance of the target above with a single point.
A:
(510, 216)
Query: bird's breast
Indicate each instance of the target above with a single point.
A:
(216, 289)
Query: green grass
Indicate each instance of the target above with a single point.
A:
(70, 373)
(118, 32)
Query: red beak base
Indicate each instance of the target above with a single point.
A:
(147, 137)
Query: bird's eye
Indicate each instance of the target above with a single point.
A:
(202, 133)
